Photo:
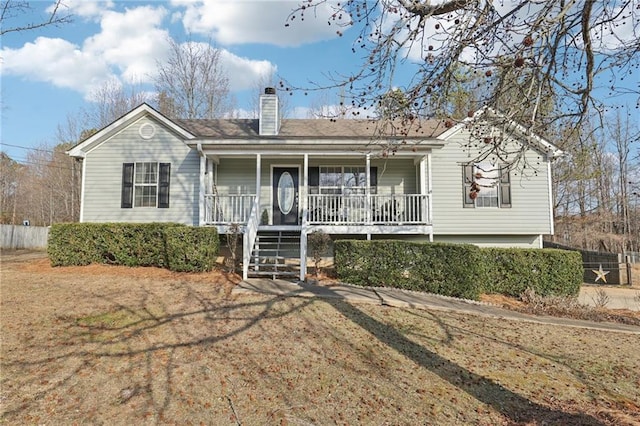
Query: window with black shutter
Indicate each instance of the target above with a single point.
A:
(127, 186)
(486, 185)
(145, 184)
(163, 185)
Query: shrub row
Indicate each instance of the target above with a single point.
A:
(447, 269)
(549, 272)
(458, 270)
(168, 245)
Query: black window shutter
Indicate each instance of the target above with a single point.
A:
(164, 180)
(314, 180)
(373, 179)
(467, 181)
(505, 187)
(126, 198)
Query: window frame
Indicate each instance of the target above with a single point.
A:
(471, 185)
(343, 188)
(315, 180)
(131, 186)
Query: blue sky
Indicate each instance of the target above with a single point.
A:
(48, 74)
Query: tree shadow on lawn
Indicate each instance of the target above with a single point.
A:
(146, 335)
(516, 408)
(134, 341)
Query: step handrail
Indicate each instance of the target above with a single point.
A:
(250, 238)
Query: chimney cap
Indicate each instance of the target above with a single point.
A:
(269, 90)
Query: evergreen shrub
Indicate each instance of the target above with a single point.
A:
(458, 270)
(168, 245)
(549, 272)
(447, 269)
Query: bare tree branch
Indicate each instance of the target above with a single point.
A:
(13, 9)
(539, 62)
(192, 83)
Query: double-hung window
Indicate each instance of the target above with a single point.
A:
(345, 180)
(342, 180)
(486, 185)
(145, 184)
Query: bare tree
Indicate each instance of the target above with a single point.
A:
(593, 188)
(9, 181)
(13, 12)
(324, 106)
(554, 51)
(191, 83)
(112, 100)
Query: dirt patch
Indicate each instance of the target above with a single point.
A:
(114, 345)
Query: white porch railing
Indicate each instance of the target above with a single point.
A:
(227, 209)
(330, 209)
(353, 209)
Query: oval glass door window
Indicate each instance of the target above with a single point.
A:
(286, 193)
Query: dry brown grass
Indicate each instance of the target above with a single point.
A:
(565, 307)
(112, 345)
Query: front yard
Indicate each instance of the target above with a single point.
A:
(115, 345)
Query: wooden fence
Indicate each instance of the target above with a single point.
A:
(600, 267)
(23, 237)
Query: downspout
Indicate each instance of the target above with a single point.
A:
(550, 183)
(84, 174)
(201, 203)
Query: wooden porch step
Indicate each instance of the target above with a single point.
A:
(273, 274)
(270, 253)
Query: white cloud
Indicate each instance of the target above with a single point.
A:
(56, 61)
(127, 46)
(618, 32)
(244, 72)
(256, 21)
(84, 8)
(132, 41)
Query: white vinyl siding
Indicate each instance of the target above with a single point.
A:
(396, 176)
(530, 204)
(103, 176)
(237, 176)
(505, 241)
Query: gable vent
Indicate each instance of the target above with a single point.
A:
(147, 130)
(269, 113)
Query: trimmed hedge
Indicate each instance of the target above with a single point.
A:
(458, 270)
(550, 272)
(448, 269)
(168, 245)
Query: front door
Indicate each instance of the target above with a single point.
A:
(285, 196)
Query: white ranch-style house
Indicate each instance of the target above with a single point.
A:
(277, 181)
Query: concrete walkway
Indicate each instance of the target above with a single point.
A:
(411, 299)
(615, 297)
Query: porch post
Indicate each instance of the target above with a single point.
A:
(305, 208)
(425, 185)
(258, 176)
(201, 203)
(305, 187)
(429, 190)
(367, 189)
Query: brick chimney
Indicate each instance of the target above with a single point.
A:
(269, 113)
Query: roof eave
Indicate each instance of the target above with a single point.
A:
(84, 147)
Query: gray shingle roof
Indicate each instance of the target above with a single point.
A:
(312, 128)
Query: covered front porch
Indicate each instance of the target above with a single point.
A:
(347, 194)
